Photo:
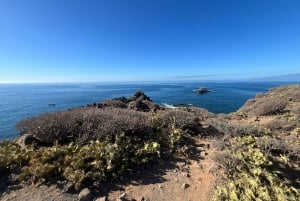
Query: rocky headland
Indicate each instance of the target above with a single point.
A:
(134, 149)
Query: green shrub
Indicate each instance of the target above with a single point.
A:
(252, 175)
(80, 164)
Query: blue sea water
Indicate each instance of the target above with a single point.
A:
(19, 101)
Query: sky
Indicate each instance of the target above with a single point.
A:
(147, 40)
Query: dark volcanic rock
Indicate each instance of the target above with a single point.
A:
(138, 105)
(115, 103)
(139, 96)
(202, 90)
(139, 101)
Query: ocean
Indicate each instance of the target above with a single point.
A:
(20, 101)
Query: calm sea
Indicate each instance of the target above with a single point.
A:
(22, 101)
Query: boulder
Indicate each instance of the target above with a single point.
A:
(28, 139)
(85, 195)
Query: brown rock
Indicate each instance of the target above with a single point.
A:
(85, 195)
(184, 186)
(101, 199)
(28, 139)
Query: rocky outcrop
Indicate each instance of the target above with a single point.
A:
(139, 101)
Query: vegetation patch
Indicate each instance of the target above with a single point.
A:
(82, 125)
(97, 160)
(254, 173)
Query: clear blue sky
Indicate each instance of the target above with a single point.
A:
(144, 40)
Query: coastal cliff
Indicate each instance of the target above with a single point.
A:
(133, 149)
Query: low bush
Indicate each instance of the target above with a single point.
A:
(281, 147)
(200, 113)
(81, 165)
(271, 106)
(184, 120)
(252, 175)
(232, 129)
(85, 124)
(282, 125)
(265, 106)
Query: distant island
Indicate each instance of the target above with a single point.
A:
(202, 90)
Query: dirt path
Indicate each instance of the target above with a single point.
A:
(192, 180)
(181, 180)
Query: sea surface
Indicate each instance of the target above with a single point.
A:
(20, 101)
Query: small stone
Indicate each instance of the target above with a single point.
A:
(185, 174)
(68, 187)
(202, 154)
(122, 195)
(101, 199)
(201, 166)
(184, 186)
(85, 195)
